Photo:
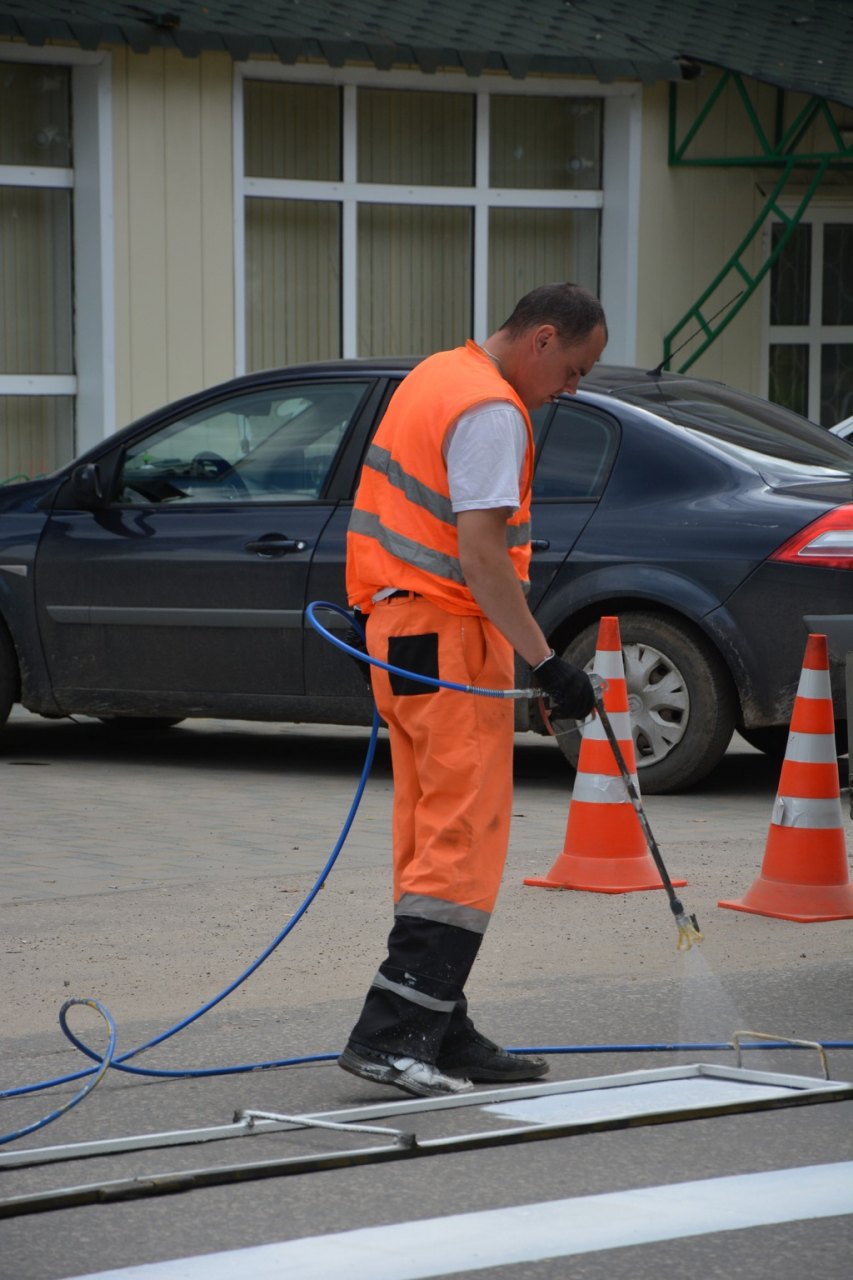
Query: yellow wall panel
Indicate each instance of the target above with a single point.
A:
(146, 227)
(691, 221)
(121, 294)
(182, 223)
(174, 238)
(217, 218)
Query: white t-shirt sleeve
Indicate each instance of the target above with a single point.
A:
(484, 451)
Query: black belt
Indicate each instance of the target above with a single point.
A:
(399, 595)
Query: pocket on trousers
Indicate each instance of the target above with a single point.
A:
(475, 651)
(413, 653)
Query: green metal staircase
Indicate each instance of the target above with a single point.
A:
(784, 154)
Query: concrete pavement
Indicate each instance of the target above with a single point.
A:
(147, 874)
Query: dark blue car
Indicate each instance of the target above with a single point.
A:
(165, 573)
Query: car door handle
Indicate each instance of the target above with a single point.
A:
(539, 544)
(274, 544)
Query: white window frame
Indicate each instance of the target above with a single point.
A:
(815, 334)
(93, 382)
(618, 198)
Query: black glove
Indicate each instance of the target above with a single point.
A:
(569, 689)
(354, 637)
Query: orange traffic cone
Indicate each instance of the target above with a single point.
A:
(605, 850)
(804, 874)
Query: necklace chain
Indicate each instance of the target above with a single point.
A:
(492, 356)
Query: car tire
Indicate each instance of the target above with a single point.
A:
(139, 724)
(682, 701)
(9, 675)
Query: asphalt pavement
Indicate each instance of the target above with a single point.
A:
(149, 872)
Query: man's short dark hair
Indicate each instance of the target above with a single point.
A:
(570, 308)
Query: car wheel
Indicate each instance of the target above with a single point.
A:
(8, 675)
(680, 696)
(139, 724)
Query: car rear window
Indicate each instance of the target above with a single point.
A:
(742, 420)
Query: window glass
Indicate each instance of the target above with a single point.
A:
(741, 420)
(789, 376)
(790, 276)
(263, 446)
(414, 278)
(424, 138)
(35, 115)
(548, 143)
(358, 272)
(36, 307)
(292, 131)
(36, 435)
(36, 288)
(293, 305)
(575, 458)
(529, 246)
(812, 374)
(836, 382)
(838, 273)
(538, 419)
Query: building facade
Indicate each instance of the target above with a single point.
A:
(169, 221)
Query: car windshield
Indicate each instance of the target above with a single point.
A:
(742, 420)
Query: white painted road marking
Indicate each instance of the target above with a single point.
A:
(635, 1100)
(528, 1233)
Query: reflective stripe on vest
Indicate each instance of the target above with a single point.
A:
(435, 503)
(422, 496)
(413, 553)
(403, 530)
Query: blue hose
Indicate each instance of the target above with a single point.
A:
(108, 1060)
(120, 1063)
(97, 1074)
(400, 671)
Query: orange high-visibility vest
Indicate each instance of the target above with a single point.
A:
(402, 532)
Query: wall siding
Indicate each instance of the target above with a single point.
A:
(173, 180)
(691, 221)
(174, 239)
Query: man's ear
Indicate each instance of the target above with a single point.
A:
(544, 336)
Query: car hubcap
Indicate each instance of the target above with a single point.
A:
(658, 702)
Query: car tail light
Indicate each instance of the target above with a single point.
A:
(827, 541)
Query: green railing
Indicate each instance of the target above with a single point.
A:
(787, 139)
(747, 281)
(781, 152)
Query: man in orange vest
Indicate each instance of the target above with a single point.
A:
(438, 551)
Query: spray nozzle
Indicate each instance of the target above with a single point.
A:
(688, 932)
(688, 926)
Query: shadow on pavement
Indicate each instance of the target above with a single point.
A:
(246, 746)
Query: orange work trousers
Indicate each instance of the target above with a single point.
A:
(451, 753)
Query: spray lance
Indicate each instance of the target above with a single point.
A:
(354, 645)
(688, 927)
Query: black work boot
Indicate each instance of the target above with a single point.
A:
(422, 1079)
(480, 1060)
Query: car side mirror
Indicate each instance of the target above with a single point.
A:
(83, 489)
